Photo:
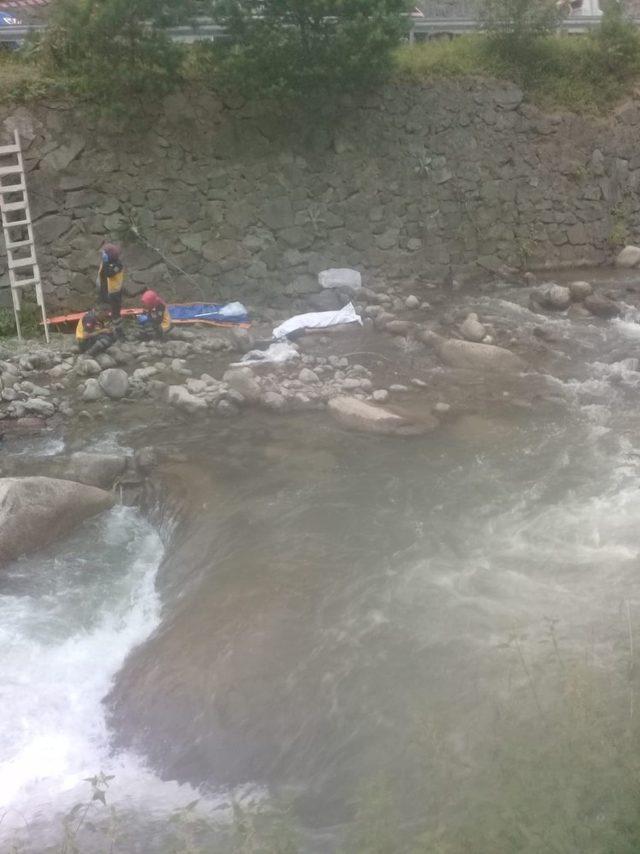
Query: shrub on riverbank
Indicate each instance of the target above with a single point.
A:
(587, 74)
(29, 320)
(112, 62)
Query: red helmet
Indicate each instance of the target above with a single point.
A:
(150, 299)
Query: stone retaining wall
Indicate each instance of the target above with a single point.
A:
(406, 185)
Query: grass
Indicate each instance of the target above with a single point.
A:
(30, 318)
(585, 74)
(573, 73)
(441, 59)
(22, 80)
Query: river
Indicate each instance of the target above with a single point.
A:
(424, 644)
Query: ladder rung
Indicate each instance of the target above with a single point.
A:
(16, 223)
(12, 188)
(10, 170)
(9, 149)
(24, 283)
(17, 244)
(14, 206)
(22, 262)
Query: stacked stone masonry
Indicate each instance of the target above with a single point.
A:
(414, 183)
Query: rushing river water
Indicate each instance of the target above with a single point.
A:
(440, 629)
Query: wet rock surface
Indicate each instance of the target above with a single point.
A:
(35, 511)
(411, 352)
(371, 418)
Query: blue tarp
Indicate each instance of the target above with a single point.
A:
(201, 312)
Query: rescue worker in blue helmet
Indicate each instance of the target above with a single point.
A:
(110, 283)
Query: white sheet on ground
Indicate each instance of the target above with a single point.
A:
(317, 320)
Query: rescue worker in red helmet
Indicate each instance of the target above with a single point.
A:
(158, 322)
(94, 332)
(110, 283)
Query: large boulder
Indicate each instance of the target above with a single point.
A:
(114, 382)
(93, 469)
(368, 418)
(475, 357)
(628, 257)
(35, 511)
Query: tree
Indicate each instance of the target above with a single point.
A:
(306, 48)
(516, 27)
(110, 52)
(616, 43)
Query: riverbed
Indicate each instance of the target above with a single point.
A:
(430, 638)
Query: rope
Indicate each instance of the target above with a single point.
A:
(134, 228)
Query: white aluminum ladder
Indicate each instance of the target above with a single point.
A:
(18, 231)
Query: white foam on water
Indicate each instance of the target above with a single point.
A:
(108, 443)
(37, 447)
(62, 641)
(573, 558)
(629, 324)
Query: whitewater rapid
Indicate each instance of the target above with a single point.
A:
(68, 619)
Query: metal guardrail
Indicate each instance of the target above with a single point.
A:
(205, 31)
(459, 26)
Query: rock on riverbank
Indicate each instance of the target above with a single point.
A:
(394, 355)
(35, 511)
(371, 418)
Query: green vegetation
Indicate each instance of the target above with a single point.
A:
(587, 74)
(30, 318)
(95, 824)
(103, 53)
(515, 28)
(106, 53)
(621, 218)
(296, 50)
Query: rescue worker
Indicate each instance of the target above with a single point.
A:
(94, 332)
(158, 319)
(110, 281)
